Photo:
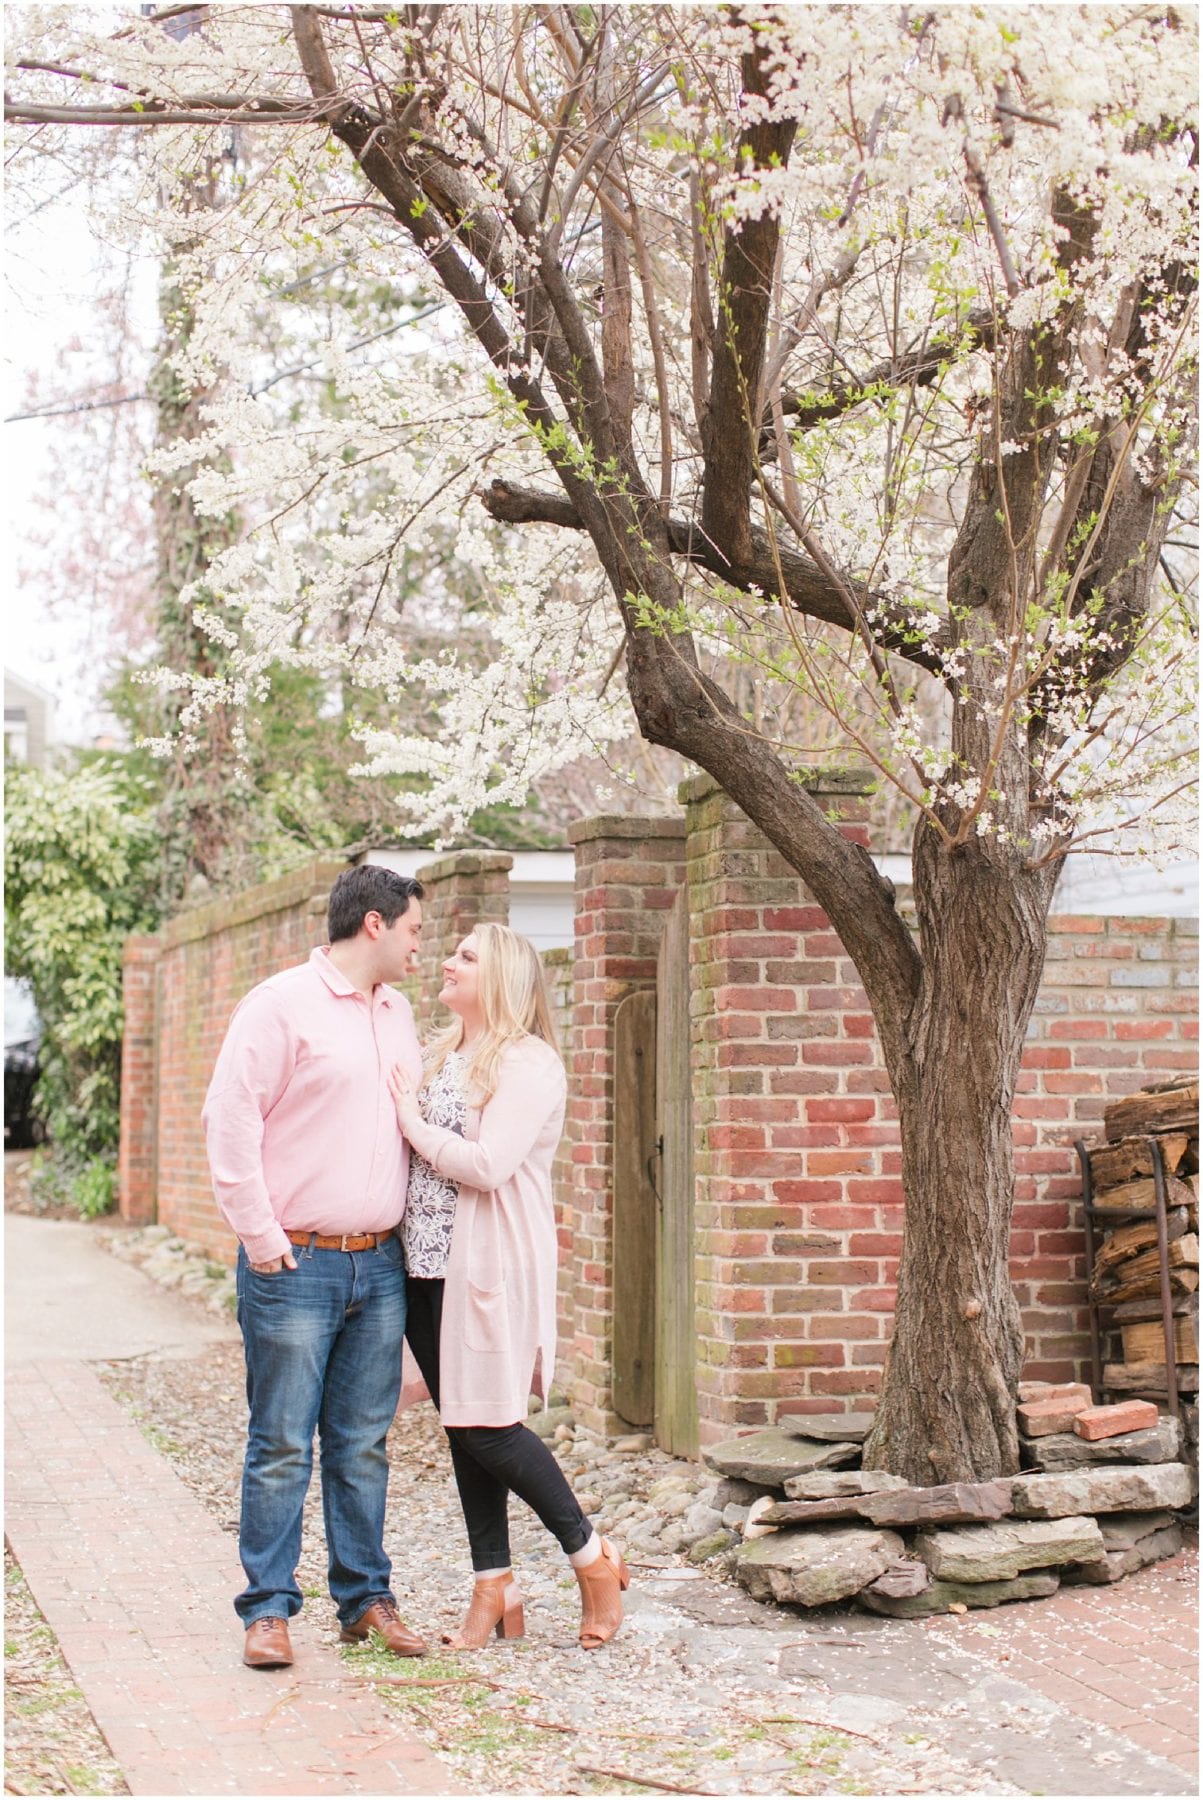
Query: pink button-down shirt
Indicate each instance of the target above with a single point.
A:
(301, 1128)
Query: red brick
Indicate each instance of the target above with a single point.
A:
(794, 918)
(839, 1111)
(840, 1162)
(840, 1274)
(1109, 1421)
(836, 1055)
(756, 999)
(883, 1191)
(804, 1193)
(1046, 1056)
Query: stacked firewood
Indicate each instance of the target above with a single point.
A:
(1126, 1277)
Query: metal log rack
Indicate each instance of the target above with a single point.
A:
(1116, 1215)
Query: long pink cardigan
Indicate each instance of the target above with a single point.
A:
(498, 1340)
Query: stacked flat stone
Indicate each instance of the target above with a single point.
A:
(831, 1531)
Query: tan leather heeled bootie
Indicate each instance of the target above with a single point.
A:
(602, 1583)
(496, 1606)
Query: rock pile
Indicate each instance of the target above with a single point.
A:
(820, 1530)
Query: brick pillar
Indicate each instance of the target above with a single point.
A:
(137, 1161)
(790, 1106)
(628, 872)
(463, 889)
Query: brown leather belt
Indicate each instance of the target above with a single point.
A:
(353, 1240)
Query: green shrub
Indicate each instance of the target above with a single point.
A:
(95, 1187)
(81, 873)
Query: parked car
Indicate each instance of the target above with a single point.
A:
(22, 1038)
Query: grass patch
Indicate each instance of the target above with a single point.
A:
(158, 1439)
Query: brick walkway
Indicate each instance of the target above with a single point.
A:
(135, 1580)
(1125, 1656)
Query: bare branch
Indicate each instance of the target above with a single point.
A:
(809, 589)
(916, 368)
(731, 430)
(201, 109)
(977, 176)
(78, 406)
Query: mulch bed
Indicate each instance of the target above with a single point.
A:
(51, 1741)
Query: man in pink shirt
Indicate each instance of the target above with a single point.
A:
(310, 1168)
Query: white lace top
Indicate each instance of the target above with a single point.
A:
(430, 1203)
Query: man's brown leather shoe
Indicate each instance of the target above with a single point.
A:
(266, 1645)
(382, 1616)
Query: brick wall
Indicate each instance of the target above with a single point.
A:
(799, 1214)
(792, 1253)
(627, 875)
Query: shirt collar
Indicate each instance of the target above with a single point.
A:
(337, 982)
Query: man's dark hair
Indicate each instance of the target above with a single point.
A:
(364, 889)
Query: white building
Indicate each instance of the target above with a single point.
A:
(28, 721)
(540, 890)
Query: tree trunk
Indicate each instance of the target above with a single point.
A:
(947, 1410)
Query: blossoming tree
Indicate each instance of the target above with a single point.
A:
(850, 345)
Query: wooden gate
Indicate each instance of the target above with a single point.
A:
(676, 1334)
(654, 1347)
(634, 1343)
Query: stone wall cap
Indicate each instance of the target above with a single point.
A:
(696, 788)
(308, 881)
(627, 825)
(466, 862)
(142, 946)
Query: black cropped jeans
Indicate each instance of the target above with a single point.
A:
(490, 1460)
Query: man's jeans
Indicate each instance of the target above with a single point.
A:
(323, 1351)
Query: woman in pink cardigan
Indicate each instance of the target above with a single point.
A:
(480, 1253)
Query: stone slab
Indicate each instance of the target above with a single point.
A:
(1160, 1443)
(832, 1484)
(831, 1428)
(951, 1503)
(1004, 1551)
(772, 1456)
(730, 1492)
(1117, 1487)
(813, 1512)
(816, 1567)
(1126, 1559)
(902, 1580)
(1122, 1530)
(1111, 1421)
(941, 1595)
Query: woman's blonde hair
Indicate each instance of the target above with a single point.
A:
(513, 1005)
